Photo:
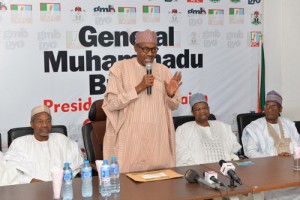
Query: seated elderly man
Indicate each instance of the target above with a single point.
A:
(270, 135)
(35, 155)
(202, 140)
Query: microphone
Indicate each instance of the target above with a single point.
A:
(149, 71)
(227, 169)
(212, 177)
(193, 177)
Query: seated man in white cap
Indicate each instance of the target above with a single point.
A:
(270, 135)
(35, 155)
(204, 141)
(140, 131)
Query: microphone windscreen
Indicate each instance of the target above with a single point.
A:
(148, 66)
(191, 176)
(221, 162)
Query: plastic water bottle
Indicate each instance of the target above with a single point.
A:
(105, 188)
(67, 188)
(115, 175)
(86, 177)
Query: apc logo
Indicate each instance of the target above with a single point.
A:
(50, 11)
(236, 15)
(251, 2)
(21, 13)
(151, 13)
(235, 1)
(127, 15)
(215, 16)
(215, 1)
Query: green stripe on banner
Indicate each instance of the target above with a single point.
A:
(43, 7)
(146, 9)
(14, 7)
(121, 10)
(211, 12)
(262, 79)
(231, 11)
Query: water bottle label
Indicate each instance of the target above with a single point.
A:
(67, 176)
(115, 170)
(86, 174)
(105, 173)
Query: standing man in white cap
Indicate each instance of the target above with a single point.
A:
(35, 155)
(204, 141)
(140, 130)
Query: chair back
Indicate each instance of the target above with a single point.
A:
(179, 120)
(297, 124)
(93, 132)
(242, 121)
(19, 132)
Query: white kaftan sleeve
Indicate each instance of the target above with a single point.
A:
(10, 175)
(251, 147)
(183, 156)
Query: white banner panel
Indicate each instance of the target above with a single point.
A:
(58, 53)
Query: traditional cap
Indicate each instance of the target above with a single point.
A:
(273, 96)
(146, 36)
(197, 98)
(39, 109)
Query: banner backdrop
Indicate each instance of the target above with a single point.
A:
(58, 53)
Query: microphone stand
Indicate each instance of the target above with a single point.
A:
(232, 185)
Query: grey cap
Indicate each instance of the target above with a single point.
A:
(197, 98)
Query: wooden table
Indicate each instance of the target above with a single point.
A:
(171, 189)
(268, 173)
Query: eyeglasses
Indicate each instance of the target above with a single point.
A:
(146, 49)
(199, 109)
(272, 107)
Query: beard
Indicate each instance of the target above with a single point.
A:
(44, 133)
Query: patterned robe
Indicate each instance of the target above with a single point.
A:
(140, 130)
(198, 145)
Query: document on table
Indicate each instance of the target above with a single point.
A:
(154, 175)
